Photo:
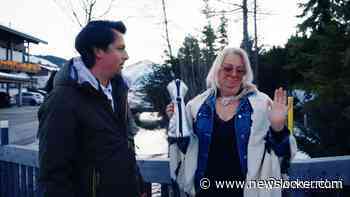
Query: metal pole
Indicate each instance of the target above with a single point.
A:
(19, 95)
(8, 88)
(290, 114)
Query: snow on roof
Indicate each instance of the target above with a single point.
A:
(44, 63)
(49, 68)
(19, 76)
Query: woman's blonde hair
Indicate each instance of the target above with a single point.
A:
(212, 77)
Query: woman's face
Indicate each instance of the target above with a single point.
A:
(231, 74)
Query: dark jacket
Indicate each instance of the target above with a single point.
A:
(83, 147)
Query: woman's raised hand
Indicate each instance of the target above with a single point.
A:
(279, 109)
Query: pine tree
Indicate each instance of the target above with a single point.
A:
(319, 56)
(208, 39)
(190, 62)
(154, 86)
(222, 32)
(209, 49)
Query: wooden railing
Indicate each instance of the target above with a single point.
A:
(19, 169)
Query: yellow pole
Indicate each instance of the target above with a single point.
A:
(290, 114)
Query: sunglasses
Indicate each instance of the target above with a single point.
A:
(229, 68)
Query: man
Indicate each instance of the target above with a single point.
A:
(83, 124)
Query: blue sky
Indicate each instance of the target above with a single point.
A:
(47, 20)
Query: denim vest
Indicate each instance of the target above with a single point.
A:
(203, 127)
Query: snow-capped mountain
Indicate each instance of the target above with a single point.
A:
(44, 63)
(136, 71)
(133, 75)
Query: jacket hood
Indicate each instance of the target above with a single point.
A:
(63, 77)
(68, 76)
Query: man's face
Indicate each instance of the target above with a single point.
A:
(111, 61)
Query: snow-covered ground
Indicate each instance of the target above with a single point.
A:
(300, 155)
(151, 142)
(149, 117)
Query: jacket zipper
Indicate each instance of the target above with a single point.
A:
(95, 181)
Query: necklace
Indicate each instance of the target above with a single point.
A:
(226, 100)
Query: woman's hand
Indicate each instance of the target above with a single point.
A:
(279, 109)
(170, 110)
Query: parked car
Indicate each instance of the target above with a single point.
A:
(31, 98)
(5, 99)
(40, 91)
(12, 101)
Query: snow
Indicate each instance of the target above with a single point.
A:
(44, 63)
(303, 96)
(136, 71)
(133, 75)
(300, 155)
(136, 100)
(151, 143)
(149, 116)
(19, 76)
(49, 68)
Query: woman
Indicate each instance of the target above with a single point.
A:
(239, 133)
